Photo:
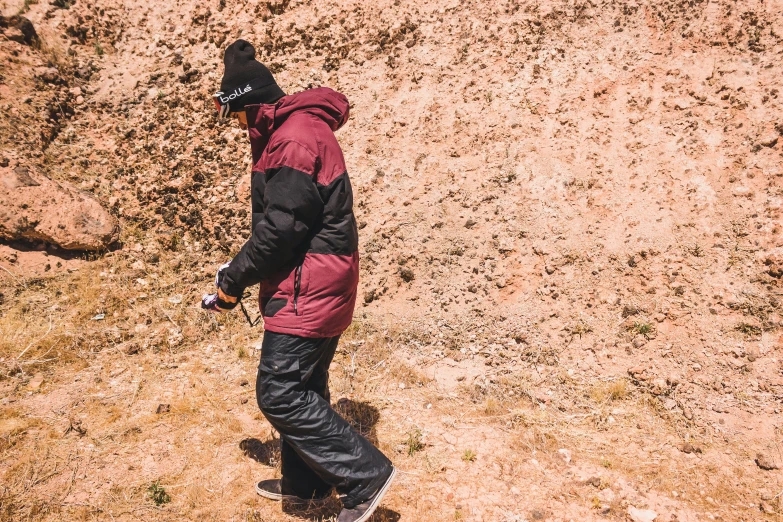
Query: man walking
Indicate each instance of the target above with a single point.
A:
(304, 253)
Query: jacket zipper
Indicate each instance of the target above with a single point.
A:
(297, 285)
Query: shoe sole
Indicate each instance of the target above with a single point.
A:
(378, 497)
(268, 494)
(277, 497)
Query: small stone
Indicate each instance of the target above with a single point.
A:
(565, 454)
(738, 364)
(670, 404)
(48, 74)
(690, 448)
(36, 381)
(641, 515)
(687, 413)
(765, 462)
(767, 508)
(769, 141)
(593, 481)
(659, 318)
(549, 269)
(163, 408)
(639, 341)
(470, 223)
(407, 274)
(537, 514)
(659, 387)
(637, 371)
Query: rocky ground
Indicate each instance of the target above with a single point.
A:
(570, 213)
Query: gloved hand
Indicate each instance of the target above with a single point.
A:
(219, 302)
(214, 303)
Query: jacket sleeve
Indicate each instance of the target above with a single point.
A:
(293, 207)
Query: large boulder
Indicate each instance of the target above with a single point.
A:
(19, 29)
(36, 208)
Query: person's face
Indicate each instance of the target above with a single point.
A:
(241, 118)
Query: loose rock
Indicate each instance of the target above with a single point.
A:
(36, 208)
(36, 381)
(641, 515)
(765, 462)
(565, 455)
(594, 481)
(689, 448)
(20, 29)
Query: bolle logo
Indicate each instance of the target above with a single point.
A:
(239, 91)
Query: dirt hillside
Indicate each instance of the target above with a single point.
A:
(571, 230)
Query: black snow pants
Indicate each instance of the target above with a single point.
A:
(319, 449)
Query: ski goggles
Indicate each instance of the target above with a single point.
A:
(224, 111)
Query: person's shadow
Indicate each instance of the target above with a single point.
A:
(267, 452)
(363, 417)
(330, 509)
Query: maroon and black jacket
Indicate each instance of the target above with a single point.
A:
(304, 248)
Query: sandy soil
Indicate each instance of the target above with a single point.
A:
(571, 246)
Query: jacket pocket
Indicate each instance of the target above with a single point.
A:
(278, 384)
(273, 305)
(279, 365)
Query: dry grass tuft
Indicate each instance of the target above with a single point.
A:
(609, 391)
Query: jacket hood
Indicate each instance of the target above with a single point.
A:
(325, 103)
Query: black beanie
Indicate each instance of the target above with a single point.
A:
(246, 81)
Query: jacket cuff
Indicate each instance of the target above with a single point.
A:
(231, 289)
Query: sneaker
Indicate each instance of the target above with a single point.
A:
(272, 490)
(364, 511)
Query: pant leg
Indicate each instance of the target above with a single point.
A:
(322, 439)
(297, 477)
